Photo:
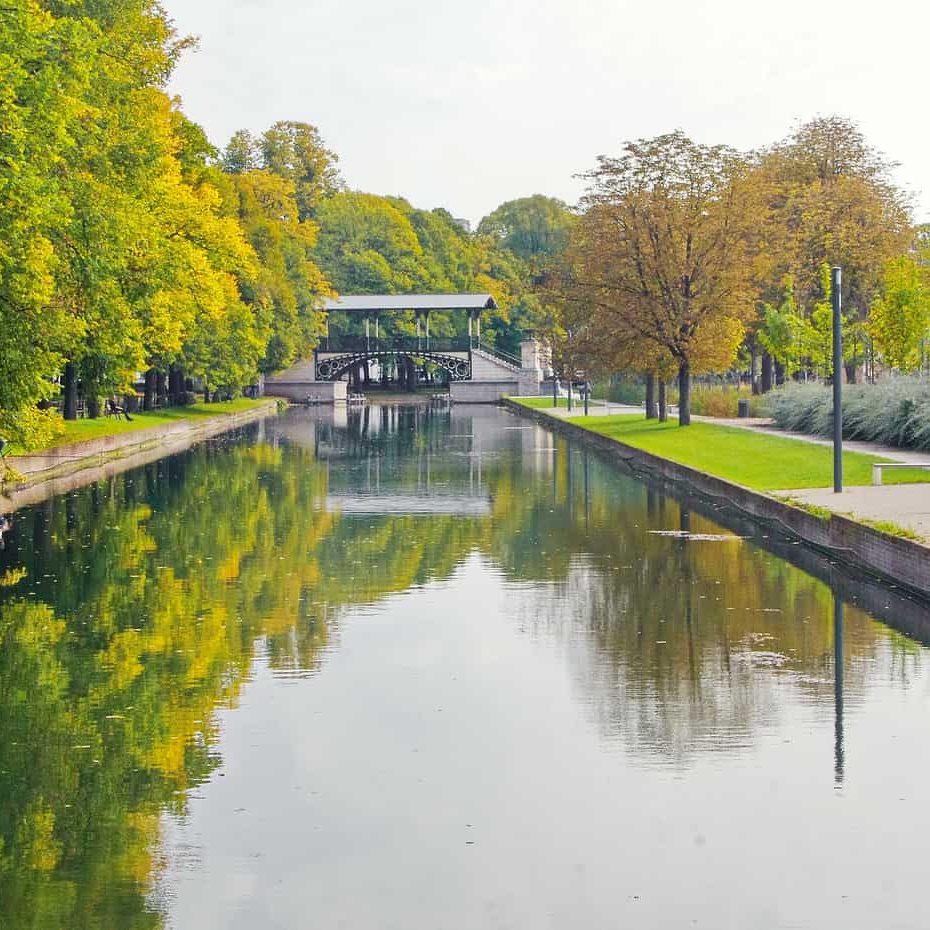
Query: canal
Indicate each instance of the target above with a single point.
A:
(410, 668)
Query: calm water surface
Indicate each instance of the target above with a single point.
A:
(408, 669)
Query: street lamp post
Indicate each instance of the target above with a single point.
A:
(836, 282)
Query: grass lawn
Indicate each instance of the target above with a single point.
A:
(541, 403)
(755, 460)
(84, 430)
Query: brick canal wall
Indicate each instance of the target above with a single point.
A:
(901, 561)
(63, 468)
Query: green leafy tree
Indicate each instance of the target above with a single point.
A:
(286, 289)
(532, 228)
(826, 197)
(295, 151)
(899, 322)
(43, 77)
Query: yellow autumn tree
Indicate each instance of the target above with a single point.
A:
(662, 254)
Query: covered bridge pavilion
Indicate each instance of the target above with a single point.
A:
(372, 306)
(463, 359)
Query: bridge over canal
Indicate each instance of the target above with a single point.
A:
(475, 371)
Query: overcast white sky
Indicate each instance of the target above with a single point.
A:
(467, 103)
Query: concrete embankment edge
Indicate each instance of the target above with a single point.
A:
(64, 468)
(892, 558)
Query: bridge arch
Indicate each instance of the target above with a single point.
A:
(333, 367)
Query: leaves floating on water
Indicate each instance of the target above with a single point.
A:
(695, 537)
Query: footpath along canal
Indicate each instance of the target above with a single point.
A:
(402, 667)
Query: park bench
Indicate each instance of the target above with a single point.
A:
(115, 409)
(878, 466)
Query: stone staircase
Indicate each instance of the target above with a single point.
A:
(506, 364)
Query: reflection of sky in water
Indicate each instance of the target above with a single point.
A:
(412, 668)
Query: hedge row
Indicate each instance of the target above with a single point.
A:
(895, 412)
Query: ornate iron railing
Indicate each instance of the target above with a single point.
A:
(332, 367)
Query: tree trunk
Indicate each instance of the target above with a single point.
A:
(779, 373)
(206, 394)
(70, 391)
(684, 394)
(651, 413)
(161, 387)
(148, 396)
(851, 374)
(663, 401)
(175, 385)
(93, 401)
(766, 372)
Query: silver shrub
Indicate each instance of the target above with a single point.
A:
(894, 412)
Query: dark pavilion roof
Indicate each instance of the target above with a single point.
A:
(379, 303)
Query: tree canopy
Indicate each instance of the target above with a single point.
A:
(131, 248)
(684, 253)
(660, 254)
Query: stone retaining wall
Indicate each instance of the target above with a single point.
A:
(129, 449)
(308, 392)
(893, 558)
(482, 392)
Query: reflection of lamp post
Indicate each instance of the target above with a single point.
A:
(587, 497)
(838, 754)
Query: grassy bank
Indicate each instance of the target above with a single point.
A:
(85, 430)
(542, 403)
(759, 461)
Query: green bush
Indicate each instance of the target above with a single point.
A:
(622, 391)
(895, 412)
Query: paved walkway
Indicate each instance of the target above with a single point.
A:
(907, 505)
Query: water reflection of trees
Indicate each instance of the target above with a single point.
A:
(130, 611)
(692, 643)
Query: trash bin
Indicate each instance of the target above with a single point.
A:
(743, 409)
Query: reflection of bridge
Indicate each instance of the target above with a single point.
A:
(459, 505)
(474, 371)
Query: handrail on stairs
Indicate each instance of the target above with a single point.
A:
(501, 355)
